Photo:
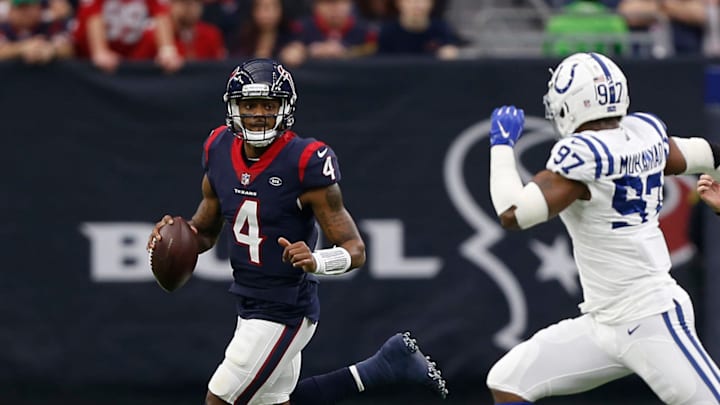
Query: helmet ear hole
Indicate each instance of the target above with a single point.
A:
(562, 112)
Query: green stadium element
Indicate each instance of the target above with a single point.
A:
(585, 26)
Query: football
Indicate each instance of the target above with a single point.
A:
(174, 256)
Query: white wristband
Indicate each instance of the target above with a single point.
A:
(332, 261)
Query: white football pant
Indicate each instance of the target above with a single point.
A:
(579, 354)
(262, 362)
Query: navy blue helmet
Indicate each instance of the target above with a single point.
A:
(260, 79)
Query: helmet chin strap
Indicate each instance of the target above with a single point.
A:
(269, 136)
(258, 139)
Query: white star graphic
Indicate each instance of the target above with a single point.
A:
(556, 262)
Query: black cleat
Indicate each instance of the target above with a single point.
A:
(400, 360)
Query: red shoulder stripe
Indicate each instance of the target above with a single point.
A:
(211, 138)
(305, 157)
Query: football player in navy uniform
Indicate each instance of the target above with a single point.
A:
(271, 187)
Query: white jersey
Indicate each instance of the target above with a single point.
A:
(619, 249)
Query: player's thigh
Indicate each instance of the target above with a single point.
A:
(279, 387)
(671, 359)
(561, 359)
(258, 353)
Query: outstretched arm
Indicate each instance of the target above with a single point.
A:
(521, 206)
(557, 194)
(693, 156)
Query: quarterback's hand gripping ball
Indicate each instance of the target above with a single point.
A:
(506, 125)
(174, 255)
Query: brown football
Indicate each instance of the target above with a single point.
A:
(174, 257)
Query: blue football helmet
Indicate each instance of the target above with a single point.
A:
(260, 79)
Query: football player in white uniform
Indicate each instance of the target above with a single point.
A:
(604, 179)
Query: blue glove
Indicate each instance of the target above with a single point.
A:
(506, 125)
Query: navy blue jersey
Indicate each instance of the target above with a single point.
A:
(260, 203)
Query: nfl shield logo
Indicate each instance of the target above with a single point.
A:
(245, 179)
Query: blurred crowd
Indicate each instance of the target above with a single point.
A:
(668, 27)
(172, 32)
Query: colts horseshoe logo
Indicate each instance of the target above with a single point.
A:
(567, 86)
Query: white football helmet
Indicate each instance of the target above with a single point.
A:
(585, 87)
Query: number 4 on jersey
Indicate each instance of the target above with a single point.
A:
(328, 168)
(246, 229)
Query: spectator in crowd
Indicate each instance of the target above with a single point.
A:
(686, 20)
(4, 9)
(334, 32)
(194, 39)
(376, 12)
(27, 37)
(586, 26)
(266, 34)
(109, 31)
(53, 10)
(224, 14)
(415, 31)
(227, 14)
(57, 10)
(711, 37)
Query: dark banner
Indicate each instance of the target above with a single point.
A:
(92, 161)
